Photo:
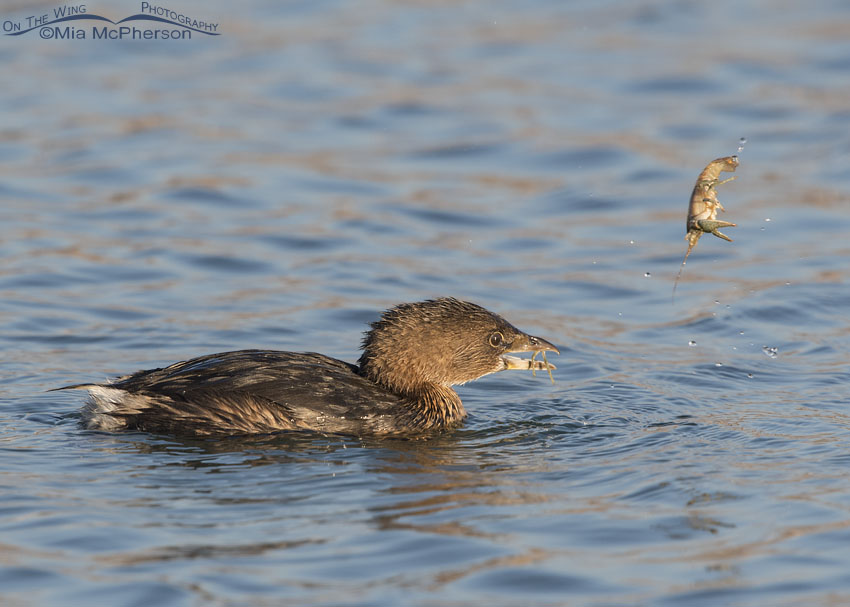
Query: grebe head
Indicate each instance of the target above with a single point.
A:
(443, 342)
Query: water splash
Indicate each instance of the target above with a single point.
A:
(770, 352)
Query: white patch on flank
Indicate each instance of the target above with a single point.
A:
(104, 402)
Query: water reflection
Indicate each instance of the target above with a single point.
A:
(164, 554)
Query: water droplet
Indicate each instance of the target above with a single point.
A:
(631, 242)
(767, 218)
(750, 375)
(740, 332)
(718, 364)
(647, 274)
(741, 143)
(770, 352)
(692, 343)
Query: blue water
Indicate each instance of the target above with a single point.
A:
(279, 185)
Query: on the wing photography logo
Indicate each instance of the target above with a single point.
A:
(70, 22)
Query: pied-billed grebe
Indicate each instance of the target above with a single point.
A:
(402, 386)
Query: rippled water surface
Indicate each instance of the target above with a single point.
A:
(280, 184)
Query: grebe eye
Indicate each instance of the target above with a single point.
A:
(497, 339)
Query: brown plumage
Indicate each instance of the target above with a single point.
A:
(402, 386)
